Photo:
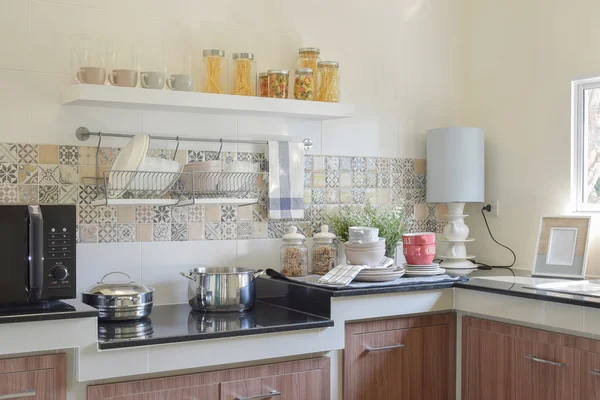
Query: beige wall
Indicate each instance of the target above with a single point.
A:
(519, 59)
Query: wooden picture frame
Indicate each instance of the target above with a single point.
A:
(562, 247)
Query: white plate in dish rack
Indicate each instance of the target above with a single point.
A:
(423, 265)
(439, 271)
(380, 271)
(379, 278)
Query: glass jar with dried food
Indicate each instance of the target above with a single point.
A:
(243, 74)
(294, 254)
(304, 84)
(308, 57)
(328, 81)
(214, 71)
(324, 251)
(279, 83)
(263, 84)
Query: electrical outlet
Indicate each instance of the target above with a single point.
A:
(494, 204)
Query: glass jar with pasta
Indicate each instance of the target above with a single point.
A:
(243, 74)
(328, 81)
(304, 84)
(279, 83)
(308, 57)
(214, 71)
(263, 84)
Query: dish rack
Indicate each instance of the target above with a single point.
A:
(181, 189)
(177, 188)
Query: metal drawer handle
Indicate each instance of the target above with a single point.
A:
(594, 372)
(394, 346)
(27, 393)
(261, 396)
(542, 361)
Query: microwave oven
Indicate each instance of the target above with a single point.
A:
(38, 253)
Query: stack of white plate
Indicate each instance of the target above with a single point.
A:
(424, 270)
(380, 274)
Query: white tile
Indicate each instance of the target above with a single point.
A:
(162, 263)
(259, 253)
(591, 320)
(96, 260)
(14, 34)
(53, 23)
(564, 316)
(265, 128)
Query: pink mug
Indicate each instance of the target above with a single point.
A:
(416, 239)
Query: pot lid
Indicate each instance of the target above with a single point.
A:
(293, 235)
(129, 288)
(324, 235)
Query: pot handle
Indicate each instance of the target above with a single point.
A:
(187, 276)
(116, 272)
(258, 273)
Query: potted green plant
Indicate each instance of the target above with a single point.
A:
(387, 218)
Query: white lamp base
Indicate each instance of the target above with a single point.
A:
(456, 234)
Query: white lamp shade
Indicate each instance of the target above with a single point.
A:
(455, 165)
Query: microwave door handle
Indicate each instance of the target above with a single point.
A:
(36, 252)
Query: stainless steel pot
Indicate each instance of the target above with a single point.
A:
(222, 289)
(119, 301)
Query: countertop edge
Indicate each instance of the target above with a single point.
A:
(218, 335)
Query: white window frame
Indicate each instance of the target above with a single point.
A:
(579, 155)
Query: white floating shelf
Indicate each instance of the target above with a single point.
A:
(99, 95)
(171, 202)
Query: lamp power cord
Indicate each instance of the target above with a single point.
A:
(480, 265)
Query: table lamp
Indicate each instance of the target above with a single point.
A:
(455, 175)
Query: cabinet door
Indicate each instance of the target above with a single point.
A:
(590, 373)
(487, 365)
(546, 372)
(398, 364)
(206, 392)
(30, 385)
(297, 386)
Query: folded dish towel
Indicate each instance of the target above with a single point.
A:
(342, 274)
(286, 180)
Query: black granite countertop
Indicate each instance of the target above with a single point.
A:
(47, 311)
(522, 287)
(179, 323)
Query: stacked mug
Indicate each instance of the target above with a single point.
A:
(364, 246)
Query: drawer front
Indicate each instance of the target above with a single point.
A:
(590, 373)
(546, 372)
(207, 392)
(30, 385)
(306, 385)
(398, 364)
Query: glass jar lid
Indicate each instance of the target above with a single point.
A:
(278, 71)
(309, 50)
(304, 71)
(213, 52)
(262, 75)
(333, 64)
(243, 56)
(293, 235)
(324, 236)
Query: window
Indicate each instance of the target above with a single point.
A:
(586, 144)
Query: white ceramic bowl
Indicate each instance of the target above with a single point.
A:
(370, 258)
(363, 234)
(157, 174)
(202, 181)
(365, 246)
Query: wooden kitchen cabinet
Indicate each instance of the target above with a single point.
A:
(34, 378)
(402, 358)
(295, 380)
(503, 361)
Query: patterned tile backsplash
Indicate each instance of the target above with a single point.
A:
(55, 174)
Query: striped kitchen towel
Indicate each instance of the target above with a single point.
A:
(285, 162)
(342, 274)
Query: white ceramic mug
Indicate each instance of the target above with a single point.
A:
(123, 77)
(152, 80)
(363, 234)
(91, 75)
(181, 82)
